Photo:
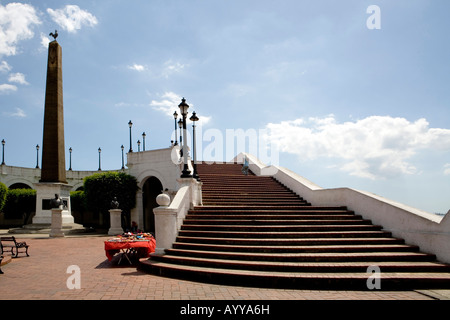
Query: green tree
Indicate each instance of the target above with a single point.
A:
(101, 188)
(3, 193)
(20, 203)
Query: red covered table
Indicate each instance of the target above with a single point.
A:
(141, 247)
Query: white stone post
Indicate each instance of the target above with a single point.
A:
(116, 224)
(165, 224)
(56, 228)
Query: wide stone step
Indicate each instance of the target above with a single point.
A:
(281, 228)
(286, 222)
(330, 279)
(267, 208)
(274, 242)
(287, 235)
(304, 257)
(297, 249)
(267, 217)
(305, 266)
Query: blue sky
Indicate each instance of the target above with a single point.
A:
(343, 104)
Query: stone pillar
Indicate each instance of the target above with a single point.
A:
(165, 224)
(56, 229)
(116, 223)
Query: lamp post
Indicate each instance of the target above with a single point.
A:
(123, 165)
(186, 173)
(180, 125)
(139, 145)
(194, 119)
(143, 141)
(130, 124)
(37, 156)
(99, 159)
(175, 116)
(70, 158)
(3, 151)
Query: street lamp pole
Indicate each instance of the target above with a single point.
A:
(123, 165)
(3, 151)
(70, 158)
(130, 124)
(143, 141)
(139, 145)
(37, 156)
(180, 125)
(186, 173)
(175, 116)
(194, 119)
(99, 159)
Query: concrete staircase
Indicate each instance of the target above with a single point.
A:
(252, 231)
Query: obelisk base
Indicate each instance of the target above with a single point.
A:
(45, 192)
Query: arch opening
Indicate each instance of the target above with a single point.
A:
(151, 189)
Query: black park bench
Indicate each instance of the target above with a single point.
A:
(10, 244)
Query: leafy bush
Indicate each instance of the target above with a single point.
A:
(20, 203)
(3, 192)
(78, 201)
(101, 188)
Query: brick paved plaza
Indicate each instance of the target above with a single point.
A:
(43, 276)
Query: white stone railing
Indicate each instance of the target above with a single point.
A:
(428, 231)
(169, 216)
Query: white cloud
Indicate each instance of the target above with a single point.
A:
(5, 67)
(169, 104)
(374, 147)
(16, 22)
(447, 169)
(17, 78)
(171, 67)
(45, 40)
(19, 113)
(7, 88)
(137, 67)
(71, 18)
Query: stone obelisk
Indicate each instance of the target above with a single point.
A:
(53, 149)
(53, 173)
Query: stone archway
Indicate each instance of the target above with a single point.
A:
(19, 185)
(151, 189)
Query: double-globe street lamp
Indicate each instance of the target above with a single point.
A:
(186, 173)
